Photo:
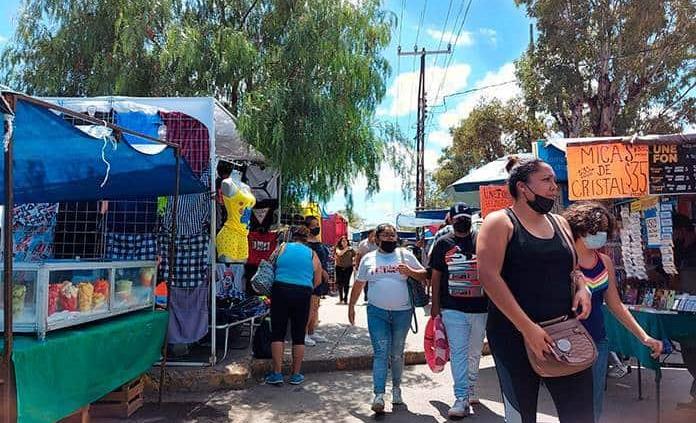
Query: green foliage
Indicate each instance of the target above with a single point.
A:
(491, 130)
(609, 67)
(303, 77)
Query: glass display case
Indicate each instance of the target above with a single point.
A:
(59, 294)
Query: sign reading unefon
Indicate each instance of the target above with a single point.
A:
(613, 170)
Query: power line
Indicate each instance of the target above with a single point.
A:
(444, 30)
(449, 59)
(413, 65)
(398, 58)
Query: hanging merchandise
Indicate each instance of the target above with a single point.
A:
(193, 138)
(33, 231)
(191, 262)
(631, 242)
(261, 246)
(229, 279)
(667, 247)
(263, 182)
(193, 213)
(232, 245)
(130, 246)
(188, 309)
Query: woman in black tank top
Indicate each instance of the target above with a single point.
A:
(525, 266)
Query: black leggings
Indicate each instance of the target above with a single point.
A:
(343, 281)
(572, 395)
(289, 303)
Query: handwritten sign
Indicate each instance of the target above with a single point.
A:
(673, 168)
(494, 197)
(613, 170)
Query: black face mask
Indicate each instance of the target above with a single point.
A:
(541, 205)
(462, 226)
(387, 246)
(315, 231)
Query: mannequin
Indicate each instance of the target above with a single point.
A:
(232, 245)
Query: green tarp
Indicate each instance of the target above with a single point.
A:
(77, 366)
(660, 326)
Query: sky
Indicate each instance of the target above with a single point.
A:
(494, 33)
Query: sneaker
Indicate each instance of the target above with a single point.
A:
(274, 378)
(459, 409)
(396, 396)
(296, 379)
(378, 404)
(318, 338)
(617, 372)
(308, 341)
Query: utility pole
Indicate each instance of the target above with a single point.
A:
(420, 127)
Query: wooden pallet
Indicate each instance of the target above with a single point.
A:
(121, 403)
(79, 416)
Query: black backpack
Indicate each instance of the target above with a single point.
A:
(262, 340)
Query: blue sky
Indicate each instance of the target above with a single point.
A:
(494, 34)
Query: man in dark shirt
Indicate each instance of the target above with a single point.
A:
(459, 299)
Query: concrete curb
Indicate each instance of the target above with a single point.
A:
(241, 374)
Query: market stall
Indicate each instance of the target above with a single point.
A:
(89, 161)
(650, 182)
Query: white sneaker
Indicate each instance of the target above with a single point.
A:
(617, 372)
(378, 404)
(459, 409)
(396, 396)
(308, 341)
(319, 338)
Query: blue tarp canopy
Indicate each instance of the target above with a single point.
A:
(490, 173)
(55, 161)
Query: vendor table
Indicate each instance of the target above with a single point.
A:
(659, 325)
(74, 367)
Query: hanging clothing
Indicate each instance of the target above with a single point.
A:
(232, 239)
(191, 261)
(33, 231)
(129, 247)
(261, 246)
(188, 313)
(229, 279)
(263, 182)
(263, 215)
(193, 138)
(193, 213)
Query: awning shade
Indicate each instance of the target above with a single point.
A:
(54, 161)
(490, 173)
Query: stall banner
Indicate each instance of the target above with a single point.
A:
(494, 197)
(602, 171)
(673, 168)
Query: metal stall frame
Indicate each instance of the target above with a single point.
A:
(7, 107)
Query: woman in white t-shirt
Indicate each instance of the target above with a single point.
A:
(388, 310)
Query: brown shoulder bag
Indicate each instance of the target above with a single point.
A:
(573, 348)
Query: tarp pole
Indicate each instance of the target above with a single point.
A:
(7, 270)
(172, 256)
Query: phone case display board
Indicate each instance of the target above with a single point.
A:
(632, 244)
(54, 295)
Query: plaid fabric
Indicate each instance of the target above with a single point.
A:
(193, 214)
(190, 263)
(130, 246)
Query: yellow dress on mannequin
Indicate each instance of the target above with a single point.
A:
(232, 244)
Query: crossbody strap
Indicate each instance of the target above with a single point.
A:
(567, 239)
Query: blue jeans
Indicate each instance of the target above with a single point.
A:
(388, 330)
(465, 332)
(599, 376)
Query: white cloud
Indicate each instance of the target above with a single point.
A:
(404, 89)
(502, 92)
(466, 38)
(3, 39)
(490, 34)
(440, 139)
(430, 159)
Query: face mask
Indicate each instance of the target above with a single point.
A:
(462, 226)
(315, 231)
(387, 246)
(541, 205)
(596, 241)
